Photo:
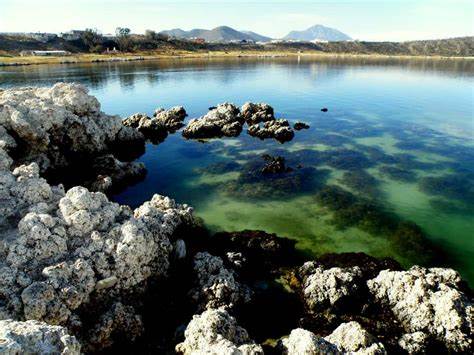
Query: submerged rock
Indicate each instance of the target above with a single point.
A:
(274, 165)
(277, 129)
(430, 301)
(33, 337)
(216, 332)
(225, 120)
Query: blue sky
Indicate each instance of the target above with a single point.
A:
(394, 20)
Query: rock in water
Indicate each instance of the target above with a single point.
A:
(298, 126)
(225, 120)
(430, 301)
(33, 337)
(255, 113)
(172, 119)
(216, 332)
(277, 129)
(274, 165)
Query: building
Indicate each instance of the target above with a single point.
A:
(72, 35)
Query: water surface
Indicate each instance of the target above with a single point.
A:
(398, 136)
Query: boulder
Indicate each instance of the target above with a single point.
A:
(257, 112)
(216, 332)
(298, 126)
(225, 120)
(172, 119)
(277, 129)
(429, 301)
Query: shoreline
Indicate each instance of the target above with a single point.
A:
(102, 58)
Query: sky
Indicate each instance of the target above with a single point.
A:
(372, 20)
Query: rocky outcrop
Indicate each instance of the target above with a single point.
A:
(217, 284)
(430, 301)
(348, 338)
(275, 165)
(257, 112)
(224, 120)
(216, 332)
(156, 128)
(55, 126)
(328, 288)
(277, 129)
(33, 337)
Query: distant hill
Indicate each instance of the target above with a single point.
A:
(218, 34)
(318, 32)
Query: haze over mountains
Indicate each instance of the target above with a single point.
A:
(228, 34)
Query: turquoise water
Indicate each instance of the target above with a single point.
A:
(398, 140)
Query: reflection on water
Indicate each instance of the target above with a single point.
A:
(394, 153)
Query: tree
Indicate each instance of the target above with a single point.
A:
(123, 38)
(151, 35)
(92, 39)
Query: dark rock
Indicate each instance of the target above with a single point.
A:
(324, 109)
(300, 125)
(274, 165)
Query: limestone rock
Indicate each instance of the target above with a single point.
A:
(302, 341)
(323, 288)
(277, 129)
(430, 301)
(257, 112)
(172, 119)
(298, 126)
(224, 120)
(217, 284)
(414, 343)
(33, 337)
(216, 332)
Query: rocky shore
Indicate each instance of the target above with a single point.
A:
(82, 274)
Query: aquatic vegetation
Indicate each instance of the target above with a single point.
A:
(334, 140)
(459, 186)
(397, 173)
(346, 159)
(221, 167)
(361, 182)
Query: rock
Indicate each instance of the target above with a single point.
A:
(348, 338)
(430, 301)
(274, 165)
(225, 120)
(414, 343)
(324, 288)
(257, 112)
(298, 126)
(217, 284)
(353, 339)
(277, 129)
(57, 126)
(33, 337)
(172, 119)
(152, 129)
(302, 341)
(216, 332)
(324, 109)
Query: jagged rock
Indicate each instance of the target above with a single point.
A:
(172, 119)
(430, 301)
(257, 112)
(302, 341)
(348, 338)
(277, 129)
(217, 284)
(216, 332)
(56, 126)
(152, 129)
(33, 337)
(353, 339)
(298, 126)
(225, 120)
(324, 288)
(414, 343)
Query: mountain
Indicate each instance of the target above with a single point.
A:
(218, 34)
(318, 32)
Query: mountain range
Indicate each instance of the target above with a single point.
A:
(228, 34)
(319, 33)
